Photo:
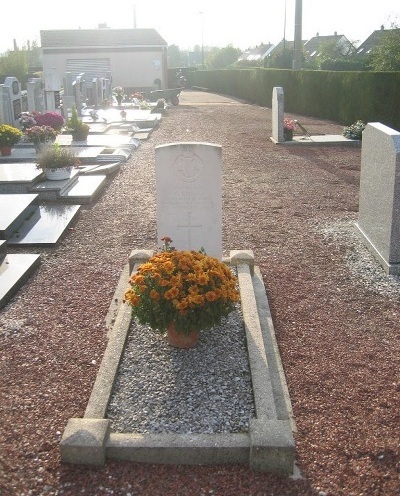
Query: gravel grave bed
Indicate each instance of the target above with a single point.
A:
(204, 390)
(336, 317)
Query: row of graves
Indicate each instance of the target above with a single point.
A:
(52, 93)
(35, 212)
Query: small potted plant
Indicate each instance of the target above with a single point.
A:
(26, 120)
(119, 94)
(76, 127)
(182, 292)
(51, 119)
(40, 136)
(57, 162)
(9, 136)
(354, 131)
(159, 106)
(288, 129)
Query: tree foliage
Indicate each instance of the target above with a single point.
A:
(386, 55)
(174, 56)
(281, 58)
(220, 58)
(15, 63)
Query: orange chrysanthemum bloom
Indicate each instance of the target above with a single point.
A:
(198, 299)
(154, 295)
(171, 293)
(138, 279)
(202, 279)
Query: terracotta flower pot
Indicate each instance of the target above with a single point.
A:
(182, 339)
(5, 151)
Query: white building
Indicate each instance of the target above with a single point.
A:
(135, 58)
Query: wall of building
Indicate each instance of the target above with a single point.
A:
(129, 67)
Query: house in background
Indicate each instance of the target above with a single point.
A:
(135, 58)
(282, 54)
(255, 56)
(373, 40)
(314, 46)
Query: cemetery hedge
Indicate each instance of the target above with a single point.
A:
(344, 97)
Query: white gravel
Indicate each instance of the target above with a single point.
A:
(361, 264)
(206, 389)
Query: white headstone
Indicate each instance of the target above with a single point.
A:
(189, 196)
(379, 198)
(278, 112)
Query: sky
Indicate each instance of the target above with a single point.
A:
(209, 23)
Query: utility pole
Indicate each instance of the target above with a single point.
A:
(202, 39)
(297, 36)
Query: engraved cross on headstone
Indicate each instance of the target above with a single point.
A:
(189, 226)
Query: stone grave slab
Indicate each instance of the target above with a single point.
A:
(16, 177)
(322, 139)
(142, 136)
(189, 196)
(51, 190)
(14, 209)
(20, 154)
(114, 154)
(107, 168)
(45, 226)
(85, 189)
(85, 152)
(97, 127)
(14, 271)
(108, 140)
(113, 115)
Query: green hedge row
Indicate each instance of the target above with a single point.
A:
(344, 97)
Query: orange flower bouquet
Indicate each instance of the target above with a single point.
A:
(188, 288)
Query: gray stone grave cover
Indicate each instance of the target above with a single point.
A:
(189, 196)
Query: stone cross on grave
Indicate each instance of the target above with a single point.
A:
(189, 196)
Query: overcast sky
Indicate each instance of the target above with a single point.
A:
(188, 23)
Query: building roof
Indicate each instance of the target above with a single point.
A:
(102, 37)
(257, 53)
(286, 45)
(314, 44)
(373, 40)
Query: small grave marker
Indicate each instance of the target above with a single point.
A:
(278, 112)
